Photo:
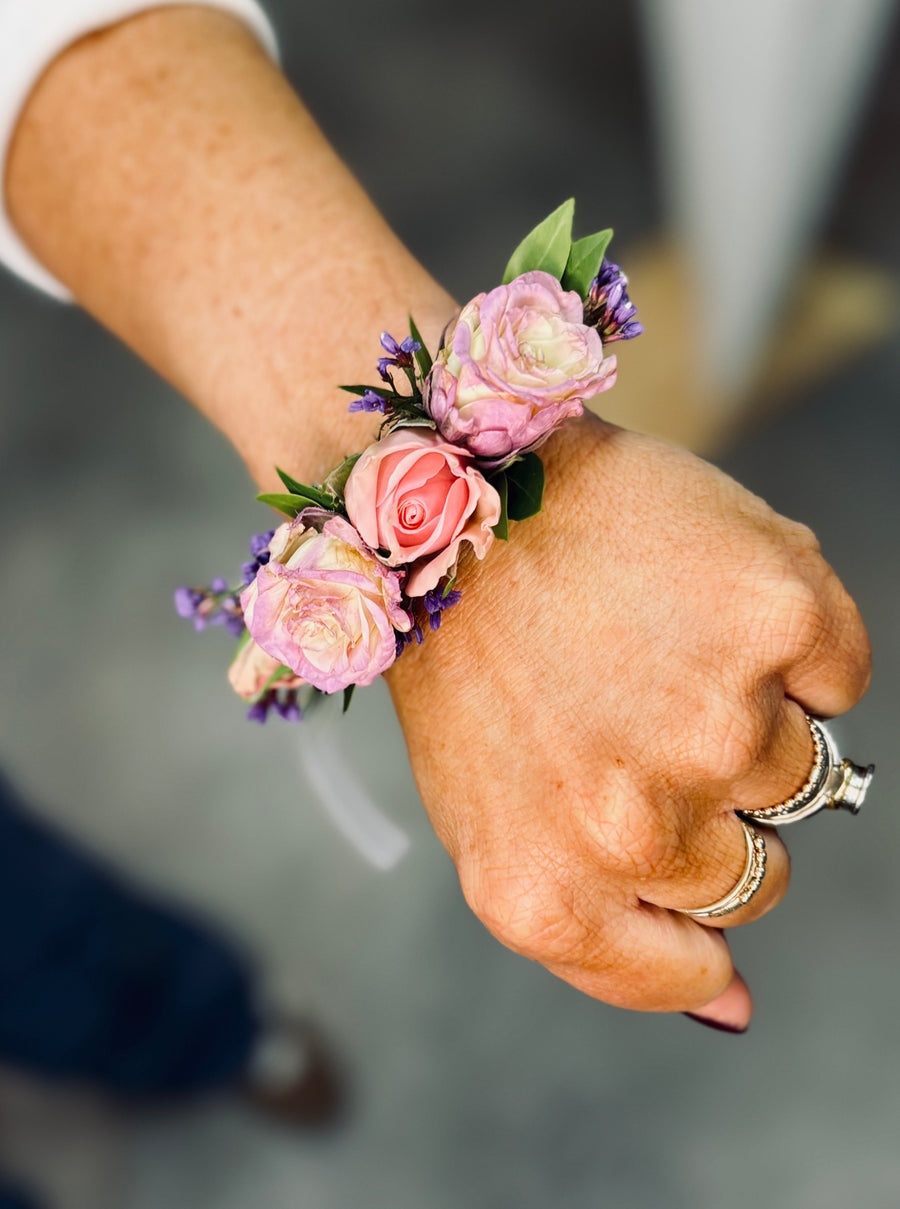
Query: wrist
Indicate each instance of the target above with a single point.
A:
(166, 173)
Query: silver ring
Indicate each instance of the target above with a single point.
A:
(832, 784)
(749, 882)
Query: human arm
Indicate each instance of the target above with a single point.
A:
(642, 630)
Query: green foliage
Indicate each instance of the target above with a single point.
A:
(348, 697)
(423, 357)
(549, 248)
(361, 390)
(289, 505)
(525, 487)
(316, 494)
(336, 481)
(546, 247)
(499, 483)
(585, 258)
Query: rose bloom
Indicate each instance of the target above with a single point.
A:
(516, 363)
(418, 498)
(252, 669)
(325, 606)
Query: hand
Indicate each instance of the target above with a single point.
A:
(618, 679)
(629, 670)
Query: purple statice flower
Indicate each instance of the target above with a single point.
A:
(608, 307)
(283, 702)
(289, 708)
(187, 602)
(400, 356)
(214, 605)
(402, 641)
(259, 556)
(371, 401)
(436, 601)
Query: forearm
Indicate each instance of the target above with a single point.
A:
(168, 175)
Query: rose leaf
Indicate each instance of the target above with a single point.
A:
(348, 697)
(585, 257)
(499, 483)
(525, 487)
(546, 248)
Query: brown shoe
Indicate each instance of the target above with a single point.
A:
(294, 1078)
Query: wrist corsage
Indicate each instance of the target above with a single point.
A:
(368, 557)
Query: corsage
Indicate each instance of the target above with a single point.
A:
(367, 559)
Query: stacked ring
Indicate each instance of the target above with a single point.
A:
(832, 784)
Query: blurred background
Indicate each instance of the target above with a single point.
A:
(749, 166)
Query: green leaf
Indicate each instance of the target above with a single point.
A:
(423, 357)
(499, 483)
(316, 494)
(336, 481)
(309, 493)
(291, 504)
(585, 258)
(414, 421)
(546, 247)
(361, 390)
(525, 483)
(348, 697)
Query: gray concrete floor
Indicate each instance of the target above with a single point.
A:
(479, 1079)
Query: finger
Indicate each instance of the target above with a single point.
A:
(600, 937)
(730, 1011)
(830, 658)
(779, 753)
(658, 961)
(713, 863)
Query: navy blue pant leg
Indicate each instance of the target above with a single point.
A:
(100, 982)
(12, 1197)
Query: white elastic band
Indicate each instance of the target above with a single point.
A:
(348, 803)
(32, 34)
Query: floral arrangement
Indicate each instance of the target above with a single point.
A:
(368, 557)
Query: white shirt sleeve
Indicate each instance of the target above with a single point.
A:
(32, 34)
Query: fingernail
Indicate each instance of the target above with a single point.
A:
(716, 1024)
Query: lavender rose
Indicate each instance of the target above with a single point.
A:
(516, 363)
(325, 606)
(418, 498)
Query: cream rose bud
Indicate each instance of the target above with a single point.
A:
(419, 498)
(516, 363)
(325, 606)
(252, 669)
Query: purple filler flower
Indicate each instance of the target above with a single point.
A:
(608, 307)
(371, 401)
(399, 355)
(187, 602)
(436, 601)
(259, 556)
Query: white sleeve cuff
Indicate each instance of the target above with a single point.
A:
(32, 34)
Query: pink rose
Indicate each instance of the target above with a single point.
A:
(419, 498)
(252, 669)
(516, 363)
(325, 606)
